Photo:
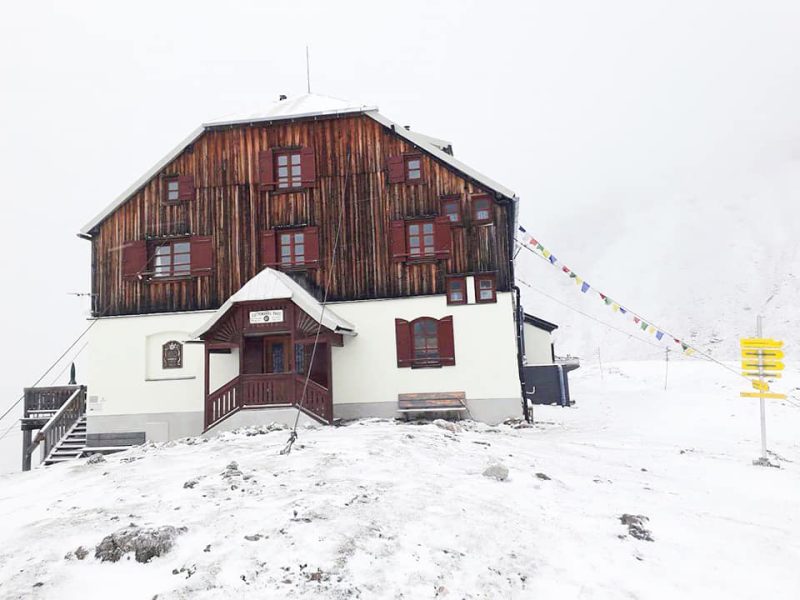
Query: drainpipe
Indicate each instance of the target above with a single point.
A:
(518, 321)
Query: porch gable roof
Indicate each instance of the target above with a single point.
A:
(271, 284)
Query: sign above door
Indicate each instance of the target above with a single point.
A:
(266, 316)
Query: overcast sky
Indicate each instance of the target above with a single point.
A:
(571, 104)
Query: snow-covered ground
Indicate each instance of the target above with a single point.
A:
(385, 510)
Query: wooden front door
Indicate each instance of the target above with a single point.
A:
(276, 354)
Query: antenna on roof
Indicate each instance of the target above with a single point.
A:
(308, 72)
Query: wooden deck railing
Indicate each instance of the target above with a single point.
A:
(254, 390)
(43, 402)
(70, 411)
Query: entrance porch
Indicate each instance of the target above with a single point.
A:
(278, 340)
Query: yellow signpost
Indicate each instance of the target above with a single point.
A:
(761, 360)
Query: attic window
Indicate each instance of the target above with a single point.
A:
(451, 208)
(456, 290)
(485, 288)
(413, 163)
(172, 189)
(481, 209)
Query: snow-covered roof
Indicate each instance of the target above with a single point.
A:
(305, 106)
(270, 284)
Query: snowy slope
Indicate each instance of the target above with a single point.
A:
(701, 262)
(383, 510)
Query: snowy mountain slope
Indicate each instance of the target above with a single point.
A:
(383, 510)
(700, 262)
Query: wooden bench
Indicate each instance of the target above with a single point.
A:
(431, 402)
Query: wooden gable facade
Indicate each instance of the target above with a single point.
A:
(221, 195)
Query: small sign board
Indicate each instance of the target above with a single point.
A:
(266, 316)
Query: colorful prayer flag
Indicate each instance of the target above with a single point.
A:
(644, 326)
(553, 259)
(585, 287)
(615, 307)
(659, 335)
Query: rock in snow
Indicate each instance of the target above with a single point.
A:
(636, 526)
(498, 472)
(145, 543)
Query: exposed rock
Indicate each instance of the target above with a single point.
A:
(145, 543)
(448, 425)
(636, 526)
(498, 472)
(191, 483)
(253, 538)
(543, 476)
(95, 459)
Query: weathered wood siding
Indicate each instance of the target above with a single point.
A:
(231, 206)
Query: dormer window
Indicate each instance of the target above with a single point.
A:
(288, 169)
(413, 163)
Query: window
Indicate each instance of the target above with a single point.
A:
(172, 355)
(420, 239)
(485, 288)
(404, 168)
(425, 342)
(482, 209)
(451, 208)
(178, 188)
(172, 259)
(456, 290)
(292, 247)
(172, 189)
(288, 169)
(413, 164)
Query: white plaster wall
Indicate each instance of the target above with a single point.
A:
(122, 374)
(222, 368)
(365, 368)
(537, 345)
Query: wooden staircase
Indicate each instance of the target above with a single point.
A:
(71, 446)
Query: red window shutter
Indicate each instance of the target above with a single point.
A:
(308, 167)
(402, 334)
(134, 259)
(447, 351)
(266, 168)
(201, 254)
(185, 187)
(269, 254)
(398, 241)
(312, 244)
(397, 169)
(442, 237)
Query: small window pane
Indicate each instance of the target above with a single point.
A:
(286, 238)
(414, 174)
(286, 260)
(286, 250)
(486, 284)
(181, 268)
(282, 160)
(181, 259)
(296, 171)
(428, 240)
(295, 159)
(172, 185)
(299, 249)
(283, 171)
(181, 247)
(413, 241)
(427, 228)
(414, 164)
(161, 250)
(298, 238)
(413, 229)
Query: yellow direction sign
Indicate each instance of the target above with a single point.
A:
(760, 385)
(766, 365)
(765, 374)
(760, 343)
(759, 353)
(763, 395)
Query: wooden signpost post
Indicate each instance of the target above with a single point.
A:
(761, 360)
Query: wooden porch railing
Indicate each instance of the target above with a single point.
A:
(43, 402)
(60, 423)
(255, 390)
